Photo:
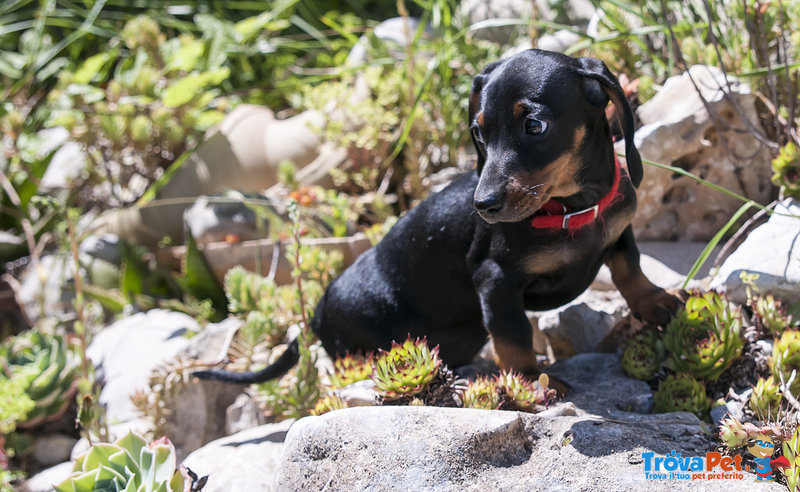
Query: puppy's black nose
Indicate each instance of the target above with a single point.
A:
(490, 203)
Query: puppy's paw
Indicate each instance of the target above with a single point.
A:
(658, 306)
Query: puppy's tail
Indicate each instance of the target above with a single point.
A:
(286, 361)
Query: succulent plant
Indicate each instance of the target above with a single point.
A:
(248, 291)
(704, 338)
(50, 366)
(765, 400)
(791, 451)
(519, 393)
(349, 369)
(786, 167)
(129, 464)
(732, 433)
(786, 359)
(482, 393)
(771, 314)
(328, 403)
(643, 354)
(680, 393)
(406, 369)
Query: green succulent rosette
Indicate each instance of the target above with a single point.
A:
(704, 338)
(765, 400)
(681, 393)
(129, 464)
(406, 369)
(49, 366)
(643, 354)
(519, 393)
(732, 433)
(349, 369)
(482, 393)
(786, 358)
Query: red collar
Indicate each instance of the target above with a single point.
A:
(554, 215)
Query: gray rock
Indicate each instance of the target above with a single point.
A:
(679, 131)
(559, 41)
(52, 449)
(125, 354)
(473, 11)
(582, 324)
(67, 165)
(243, 414)
(102, 246)
(198, 412)
(598, 385)
(41, 292)
(44, 480)
(732, 408)
(773, 251)
(573, 13)
(210, 220)
(211, 345)
(424, 448)
(394, 32)
(246, 461)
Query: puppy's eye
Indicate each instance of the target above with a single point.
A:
(535, 127)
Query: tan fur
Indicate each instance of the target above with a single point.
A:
(509, 356)
(519, 109)
(549, 259)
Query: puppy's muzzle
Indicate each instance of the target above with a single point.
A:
(489, 204)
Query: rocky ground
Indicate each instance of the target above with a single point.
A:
(599, 436)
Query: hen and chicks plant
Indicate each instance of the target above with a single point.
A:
(705, 337)
(129, 464)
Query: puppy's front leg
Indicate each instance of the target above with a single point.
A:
(504, 317)
(646, 300)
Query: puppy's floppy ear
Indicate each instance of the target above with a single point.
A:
(475, 105)
(600, 85)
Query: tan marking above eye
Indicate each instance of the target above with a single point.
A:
(480, 119)
(519, 109)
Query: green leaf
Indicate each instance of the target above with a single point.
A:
(127, 72)
(111, 299)
(186, 57)
(133, 272)
(198, 280)
(714, 241)
(98, 455)
(165, 463)
(91, 68)
(186, 88)
(11, 64)
(132, 444)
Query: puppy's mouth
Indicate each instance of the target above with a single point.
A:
(520, 203)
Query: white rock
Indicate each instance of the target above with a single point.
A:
(678, 130)
(126, 353)
(773, 251)
(247, 461)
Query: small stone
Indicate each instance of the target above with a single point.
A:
(51, 449)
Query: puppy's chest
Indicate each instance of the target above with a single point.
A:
(575, 250)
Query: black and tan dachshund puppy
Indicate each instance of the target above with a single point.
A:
(548, 205)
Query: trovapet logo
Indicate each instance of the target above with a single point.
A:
(712, 466)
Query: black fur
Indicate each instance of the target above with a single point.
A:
(456, 276)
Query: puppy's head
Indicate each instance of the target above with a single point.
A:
(538, 122)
